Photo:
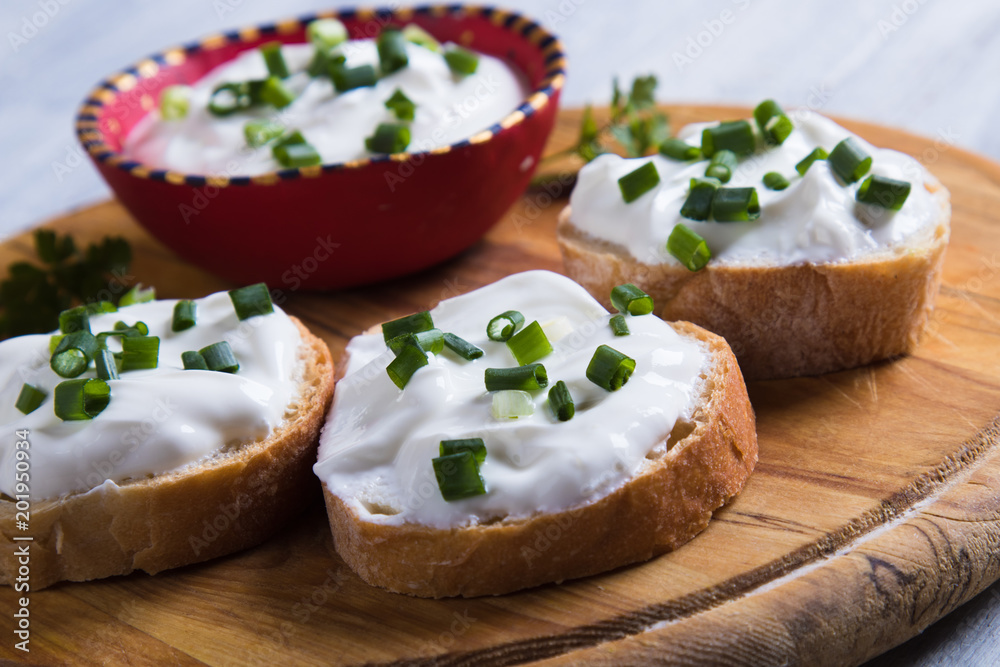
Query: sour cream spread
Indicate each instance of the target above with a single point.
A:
(378, 443)
(448, 109)
(816, 219)
(158, 420)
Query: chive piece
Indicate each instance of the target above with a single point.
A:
(140, 352)
(698, 205)
(525, 378)
(462, 347)
(389, 138)
(609, 368)
(124, 330)
(324, 60)
(175, 102)
(107, 367)
(736, 136)
(885, 192)
(529, 344)
(817, 154)
(619, 326)
(274, 60)
(54, 342)
(688, 248)
(475, 446)
(401, 105)
(74, 319)
(774, 125)
(722, 165)
(775, 181)
(73, 354)
(184, 315)
(391, 51)
(638, 182)
(511, 404)
(406, 363)
(260, 132)
(219, 357)
(276, 93)
(409, 324)
(251, 301)
(462, 62)
(326, 33)
(561, 401)
(99, 307)
(76, 400)
(630, 299)
(735, 205)
(137, 294)
(30, 398)
(504, 325)
(417, 35)
(228, 98)
(431, 341)
(193, 360)
(290, 139)
(458, 476)
(297, 155)
(849, 160)
(678, 149)
(345, 78)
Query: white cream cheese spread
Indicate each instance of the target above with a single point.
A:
(158, 420)
(378, 444)
(448, 109)
(816, 219)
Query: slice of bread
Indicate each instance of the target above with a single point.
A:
(785, 321)
(705, 463)
(233, 501)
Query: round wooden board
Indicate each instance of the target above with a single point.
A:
(873, 511)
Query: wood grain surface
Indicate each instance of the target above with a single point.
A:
(874, 510)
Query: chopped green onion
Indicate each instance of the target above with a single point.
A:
(326, 33)
(81, 399)
(458, 476)
(722, 165)
(389, 138)
(609, 368)
(274, 60)
(391, 51)
(137, 294)
(529, 344)
(774, 125)
(417, 35)
(175, 101)
(140, 352)
(619, 326)
(292, 138)
(637, 183)
(849, 160)
(409, 324)
(817, 154)
(698, 205)
(775, 181)
(504, 325)
(228, 98)
(689, 248)
(30, 398)
(678, 149)
(98, 307)
(401, 105)
(276, 93)
(736, 136)
(735, 205)
(54, 342)
(345, 78)
(561, 401)
(406, 363)
(74, 319)
(184, 315)
(296, 155)
(124, 330)
(260, 132)
(219, 357)
(74, 353)
(525, 378)
(475, 446)
(431, 341)
(462, 347)
(511, 404)
(106, 365)
(251, 301)
(885, 192)
(462, 62)
(325, 60)
(630, 299)
(193, 361)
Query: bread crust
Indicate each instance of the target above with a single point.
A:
(783, 321)
(233, 501)
(669, 502)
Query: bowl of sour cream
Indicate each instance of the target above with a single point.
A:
(331, 150)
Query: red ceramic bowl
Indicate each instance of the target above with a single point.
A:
(332, 225)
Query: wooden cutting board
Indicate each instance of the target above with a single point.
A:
(874, 510)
